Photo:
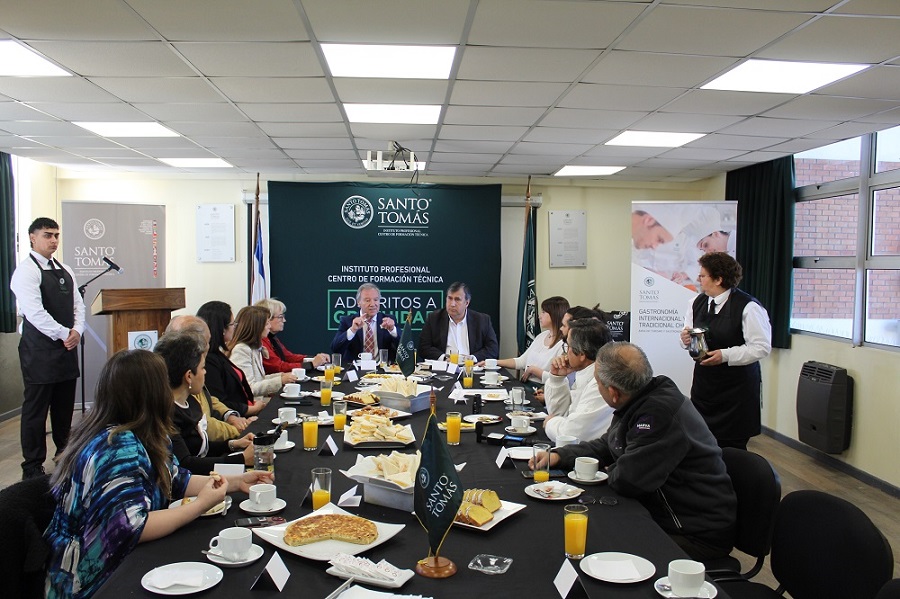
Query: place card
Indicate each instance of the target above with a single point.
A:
(229, 469)
(350, 498)
(502, 456)
(565, 579)
(452, 368)
(274, 576)
(353, 376)
(329, 447)
(459, 467)
(439, 366)
(366, 365)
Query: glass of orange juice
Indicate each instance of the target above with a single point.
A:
(576, 521)
(329, 372)
(454, 356)
(325, 392)
(336, 362)
(469, 362)
(542, 472)
(310, 432)
(321, 484)
(454, 423)
(339, 407)
(468, 377)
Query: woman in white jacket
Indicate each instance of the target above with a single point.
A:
(246, 350)
(534, 364)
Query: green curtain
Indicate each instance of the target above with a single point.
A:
(7, 245)
(765, 237)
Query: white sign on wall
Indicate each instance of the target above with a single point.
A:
(568, 238)
(215, 233)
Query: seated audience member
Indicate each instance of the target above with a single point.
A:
(577, 313)
(223, 422)
(276, 357)
(534, 364)
(116, 478)
(659, 450)
(455, 328)
(579, 411)
(185, 356)
(379, 331)
(246, 352)
(223, 379)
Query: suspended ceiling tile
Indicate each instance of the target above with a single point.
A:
(304, 129)
(767, 126)
(524, 64)
(685, 123)
(259, 59)
(576, 118)
(504, 93)
(550, 149)
(830, 108)
(394, 131)
(656, 70)
(64, 20)
(52, 89)
(735, 142)
(708, 101)
(159, 89)
(292, 112)
(492, 115)
(105, 111)
(485, 132)
(477, 147)
(274, 89)
(115, 59)
(400, 91)
(881, 82)
(312, 143)
(561, 135)
(399, 21)
(873, 40)
(197, 112)
(619, 97)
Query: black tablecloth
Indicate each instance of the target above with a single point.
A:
(533, 537)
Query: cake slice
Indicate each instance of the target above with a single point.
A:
(486, 498)
(469, 513)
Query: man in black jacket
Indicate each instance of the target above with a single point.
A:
(456, 328)
(659, 450)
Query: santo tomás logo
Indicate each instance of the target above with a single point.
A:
(357, 212)
(94, 229)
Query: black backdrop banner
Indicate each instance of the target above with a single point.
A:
(413, 241)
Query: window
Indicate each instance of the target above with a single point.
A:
(847, 274)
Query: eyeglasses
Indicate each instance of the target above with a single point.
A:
(279, 317)
(591, 500)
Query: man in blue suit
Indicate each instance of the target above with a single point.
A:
(367, 332)
(455, 327)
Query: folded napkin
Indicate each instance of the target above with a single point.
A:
(356, 592)
(163, 579)
(623, 569)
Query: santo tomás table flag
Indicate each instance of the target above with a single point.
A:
(438, 493)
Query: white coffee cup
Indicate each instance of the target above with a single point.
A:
(300, 373)
(520, 423)
(490, 363)
(288, 415)
(490, 378)
(292, 390)
(233, 544)
(586, 468)
(282, 441)
(262, 496)
(365, 356)
(686, 577)
(563, 440)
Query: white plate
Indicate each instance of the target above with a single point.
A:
(530, 415)
(601, 567)
(442, 426)
(304, 379)
(521, 453)
(492, 394)
(485, 418)
(256, 552)
(507, 509)
(294, 423)
(320, 379)
(529, 431)
(396, 413)
(287, 447)
(568, 491)
(405, 576)
(211, 577)
(707, 591)
(325, 550)
(250, 507)
(334, 395)
(216, 510)
(599, 478)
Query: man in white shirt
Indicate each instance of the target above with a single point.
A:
(580, 411)
(53, 321)
(455, 328)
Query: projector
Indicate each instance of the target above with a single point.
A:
(399, 162)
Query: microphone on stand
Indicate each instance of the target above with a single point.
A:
(113, 265)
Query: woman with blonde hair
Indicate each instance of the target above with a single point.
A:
(276, 357)
(246, 352)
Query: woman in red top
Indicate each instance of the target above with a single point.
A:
(276, 357)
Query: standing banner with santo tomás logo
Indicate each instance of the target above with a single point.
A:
(413, 241)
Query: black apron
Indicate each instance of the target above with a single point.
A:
(728, 397)
(45, 360)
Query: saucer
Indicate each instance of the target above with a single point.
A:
(599, 478)
(254, 554)
(489, 368)
(287, 447)
(279, 421)
(529, 431)
(707, 591)
(250, 507)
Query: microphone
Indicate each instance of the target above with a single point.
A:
(113, 265)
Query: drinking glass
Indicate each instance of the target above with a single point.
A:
(576, 521)
(383, 358)
(325, 392)
(310, 432)
(336, 362)
(321, 484)
(541, 473)
(339, 407)
(454, 423)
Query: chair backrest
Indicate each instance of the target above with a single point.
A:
(758, 491)
(890, 591)
(824, 547)
(26, 509)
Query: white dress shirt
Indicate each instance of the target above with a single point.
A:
(458, 335)
(757, 332)
(538, 354)
(584, 413)
(26, 284)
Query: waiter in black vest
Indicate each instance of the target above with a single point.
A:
(52, 324)
(728, 382)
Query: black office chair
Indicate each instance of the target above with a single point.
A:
(758, 491)
(26, 509)
(890, 591)
(823, 547)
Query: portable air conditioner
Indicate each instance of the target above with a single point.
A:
(825, 407)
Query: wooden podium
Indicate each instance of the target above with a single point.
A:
(136, 310)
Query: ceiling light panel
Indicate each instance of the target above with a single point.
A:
(127, 129)
(653, 139)
(777, 76)
(413, 114)
(18, 61)
(391, 62)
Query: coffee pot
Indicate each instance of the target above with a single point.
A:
(698, 347)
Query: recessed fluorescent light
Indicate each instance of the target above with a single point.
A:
(409, 114)
(776, 76)
(653, 139)
(18, 61)
(128, 129)
(395, 62)
(196, 162)
(587, 171)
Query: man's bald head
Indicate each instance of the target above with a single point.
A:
(189, 324)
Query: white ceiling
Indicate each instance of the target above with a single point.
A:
(536, 84)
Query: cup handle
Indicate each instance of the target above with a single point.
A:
(213, 544)
(254, 496)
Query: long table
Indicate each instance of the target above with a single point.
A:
(533, 537)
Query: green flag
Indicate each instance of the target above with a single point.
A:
(438, 493)
(528, 321)
(406, 350)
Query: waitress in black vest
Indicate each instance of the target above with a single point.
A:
(727, 382)
(53, 321)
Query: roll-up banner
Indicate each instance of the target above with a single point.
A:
(413, 241)
(667, 239)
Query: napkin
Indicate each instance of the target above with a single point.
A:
(350, 498)
(182, 576)
(621, 569)
(356, 592)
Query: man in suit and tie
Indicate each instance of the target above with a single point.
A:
(369, 331)
(456, 328)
